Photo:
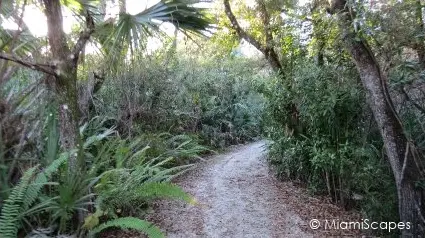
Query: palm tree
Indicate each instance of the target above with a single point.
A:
(114, 35)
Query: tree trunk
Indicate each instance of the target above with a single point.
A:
(267, 49)
(122, 6)
(420, 44)
(65, 63)
(401, 159)
(69, 115)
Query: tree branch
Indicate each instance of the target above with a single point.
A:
(421, 109)
(84, 36)
(7, 74)
(266, 22)
(267, 50)
(242, 34)
(270, 53)
(5, 71)
(48, 69)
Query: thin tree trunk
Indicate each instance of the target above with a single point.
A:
(174, 45)
(122, 6)
(401, 159)
(267, 50)
(420, 44)
(328, 183)
(403, 166)
(65, 63)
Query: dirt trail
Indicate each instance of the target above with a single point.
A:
(237, 196)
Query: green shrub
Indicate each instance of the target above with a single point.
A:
(213, 99)
(323, 134)
(120, 175)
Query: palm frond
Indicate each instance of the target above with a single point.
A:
(41, 179)
(132, 31)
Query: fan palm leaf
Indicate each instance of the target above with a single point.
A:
(132, 30)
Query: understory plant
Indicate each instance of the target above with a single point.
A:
(119, 180)
(323, 134)
(212, 100)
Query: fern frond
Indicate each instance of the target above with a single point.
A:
(146, 227)
(42, 178)
(24, 195)
(163, 190)
(9, 222)
(167, 175)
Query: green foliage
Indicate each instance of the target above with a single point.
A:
(24, 194)
(151, 117)
(184, 147)
(123, 174)
(156, 111)
(163, 190)
(130, 186)
(323, 134)
(9, 221)
(216, 101)
(130, 32)
(71, 196)
(42, 178)
(130, 223)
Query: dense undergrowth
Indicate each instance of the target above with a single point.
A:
(212, 100)
(324, 135)
(144, 125)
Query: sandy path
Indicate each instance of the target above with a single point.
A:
(238, 197)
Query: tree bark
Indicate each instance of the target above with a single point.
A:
(65, 62)
(398, 147)
(66, 76)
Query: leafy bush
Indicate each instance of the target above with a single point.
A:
(324, 135)
(141, 126)
(121, 175)
(214, 99)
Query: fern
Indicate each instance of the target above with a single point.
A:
(42, 178)
(166, 175)
(24, 195)
(9, 222)
(130, 223)
(163, 190)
